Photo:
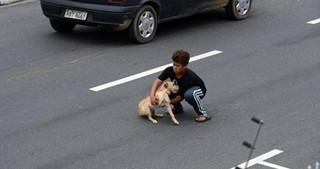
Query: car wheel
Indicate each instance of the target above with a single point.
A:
(238, 9)
(144, 25)
(62, 26)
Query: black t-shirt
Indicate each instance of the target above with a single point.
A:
(188, 80)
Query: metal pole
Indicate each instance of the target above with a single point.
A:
(252, 147)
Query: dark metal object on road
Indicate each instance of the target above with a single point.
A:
(249, 145)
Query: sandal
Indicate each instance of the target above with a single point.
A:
(205, 118)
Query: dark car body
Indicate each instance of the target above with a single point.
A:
(119, 14)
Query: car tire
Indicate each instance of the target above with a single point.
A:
(61, 26)
(144, 25)
(238, 9)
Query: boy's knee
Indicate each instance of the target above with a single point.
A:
(188, 96)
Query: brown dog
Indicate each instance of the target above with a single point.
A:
(145, 108)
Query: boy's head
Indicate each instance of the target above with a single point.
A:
(181, 56)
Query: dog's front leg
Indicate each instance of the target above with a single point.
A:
(157, 115)
(171, 114)
(150, 114)
(154, 114)
(151, 119)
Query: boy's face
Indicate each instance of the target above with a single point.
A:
(178, 68)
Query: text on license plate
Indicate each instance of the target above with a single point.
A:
(75, 14)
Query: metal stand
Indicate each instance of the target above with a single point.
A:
(316, 166)
(252, 146)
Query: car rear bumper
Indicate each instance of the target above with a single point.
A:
(106, 16)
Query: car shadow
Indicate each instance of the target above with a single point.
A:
(96, 36)
(194, 22)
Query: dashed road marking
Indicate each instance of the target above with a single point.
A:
(313, 22)
(149, 72)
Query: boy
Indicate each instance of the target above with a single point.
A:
(191, 86)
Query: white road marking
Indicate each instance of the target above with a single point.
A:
(10, 3)
(260, 160)
(149, 72)
(313, 22)
(271, 165)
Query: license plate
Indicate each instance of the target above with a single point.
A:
(73, 14)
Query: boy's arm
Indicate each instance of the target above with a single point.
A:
(176, 100)
(153, 91)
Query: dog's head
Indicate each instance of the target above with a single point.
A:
(171, 87)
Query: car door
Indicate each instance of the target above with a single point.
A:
(169, 9)
(190, 7)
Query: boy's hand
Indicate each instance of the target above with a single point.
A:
(154, 100)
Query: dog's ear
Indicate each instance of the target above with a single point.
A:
(166, 85)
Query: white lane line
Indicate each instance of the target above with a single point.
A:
(149, 72)
(260, 160)
(272, 165)
(313, 22)
(9, 3)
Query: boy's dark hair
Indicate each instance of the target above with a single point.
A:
(181, 56)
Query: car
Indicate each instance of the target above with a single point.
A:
(139, 18)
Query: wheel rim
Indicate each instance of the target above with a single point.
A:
(146, 24)
(242, 6)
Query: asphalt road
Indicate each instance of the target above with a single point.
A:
(269, 68)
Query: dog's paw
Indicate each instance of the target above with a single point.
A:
(176, 122)
(159, 115)
(154, 121)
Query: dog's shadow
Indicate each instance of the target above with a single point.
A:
(186, 118)
(183, 118)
